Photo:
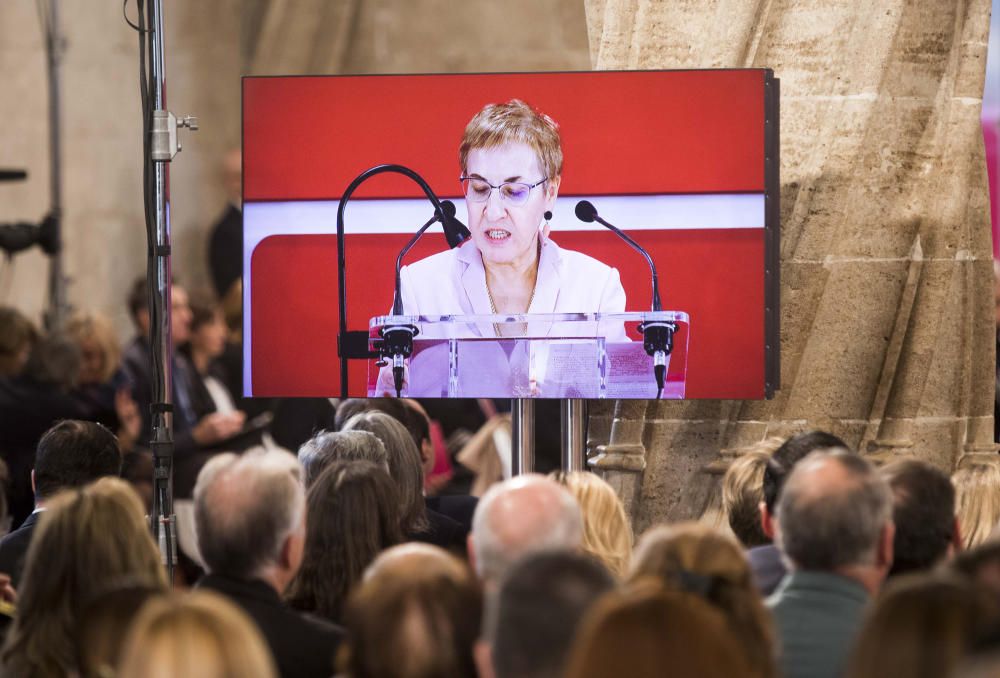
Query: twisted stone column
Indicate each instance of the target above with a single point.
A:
(887, 284)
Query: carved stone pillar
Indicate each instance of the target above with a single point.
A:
(887, 285)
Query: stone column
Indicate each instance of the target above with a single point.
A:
(887, 287)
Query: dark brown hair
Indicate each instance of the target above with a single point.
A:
(352, 515)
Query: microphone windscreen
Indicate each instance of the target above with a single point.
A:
(454, 230)
(585, 211)
(449, 208)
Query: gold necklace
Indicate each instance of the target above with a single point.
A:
(493, 306)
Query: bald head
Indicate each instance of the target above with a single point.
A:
(245, 508)
(832, 512)
(415, 560)
(523, 515)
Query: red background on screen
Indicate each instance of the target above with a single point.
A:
(623, 133)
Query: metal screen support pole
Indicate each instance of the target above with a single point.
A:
(573, 418)
(523, 438)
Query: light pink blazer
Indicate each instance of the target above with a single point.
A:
(454, 282)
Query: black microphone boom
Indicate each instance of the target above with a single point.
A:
(657, 336)
(587, 213)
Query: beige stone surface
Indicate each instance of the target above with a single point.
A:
(887, 328)
(209, 45)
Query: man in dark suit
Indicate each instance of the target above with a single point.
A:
(194, 435)
(250, 515)
(70, 454)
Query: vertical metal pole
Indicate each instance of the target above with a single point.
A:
(161, 344)
(55, 314)
(523, 425)
(573, 416)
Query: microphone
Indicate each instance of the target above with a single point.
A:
(658, 335)
(455, 232)
(397, 342)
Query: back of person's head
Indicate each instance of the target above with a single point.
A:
(791, 452)
(55, 361)
(416, 614)
(353, 516)
(833, 512)
(246, 508)
(977, 501)
(195, 635)
(980, 564)
(523, 515)
(694, 558)
(923, 512)
(17, 336)
(742, 493)
(108, 617)
(607, 532)
(73, 453)
(327, 447)
(86, 540)
(647, 632)
(405, 465)
(352, 406)
(532, 620)
(921, 625)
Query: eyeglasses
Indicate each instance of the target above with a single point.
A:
(513, 192)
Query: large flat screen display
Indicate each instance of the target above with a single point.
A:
(683, 162)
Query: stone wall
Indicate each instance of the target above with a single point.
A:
(209, 45)
(887, 287)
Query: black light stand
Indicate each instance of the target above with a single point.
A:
(160, 145)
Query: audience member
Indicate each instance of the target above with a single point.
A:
(108, 618)
(206, 343)
(137, 469)
(17, 337)
(417, 521)
(416, 614)
(102, 388)
(87, 540)
(743, 492)
(980, 565)
(250, 518)
(648, 633)
(327, 447)
(921, 626)
(30, 403)
(835, 529)
(923, 513)
(530, 623)
(518, 517)
(693, 558)
(71, 454)
(607, 532)
(196, 635)
(977, 501)
(193, 435)
(225, 243)
(353, 516)
(765, 561)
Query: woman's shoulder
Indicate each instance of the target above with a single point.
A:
(435, 263)
(581, 264)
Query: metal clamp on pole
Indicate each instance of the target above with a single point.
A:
(165, 143)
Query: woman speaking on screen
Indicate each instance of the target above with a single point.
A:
(511, 161)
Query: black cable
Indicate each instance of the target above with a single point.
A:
(129, 21)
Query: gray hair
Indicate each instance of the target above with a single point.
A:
(825, 527)
(327, 447)
(245, 507)
(405, 465)
(524, 515)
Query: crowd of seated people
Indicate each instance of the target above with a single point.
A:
(349, 554)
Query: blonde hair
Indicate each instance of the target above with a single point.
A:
(198, 635)
(742, 493)
(84, 326)
(977, 501)
(86, 540)
(694, 558)
(514, 122)
(607, 533)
